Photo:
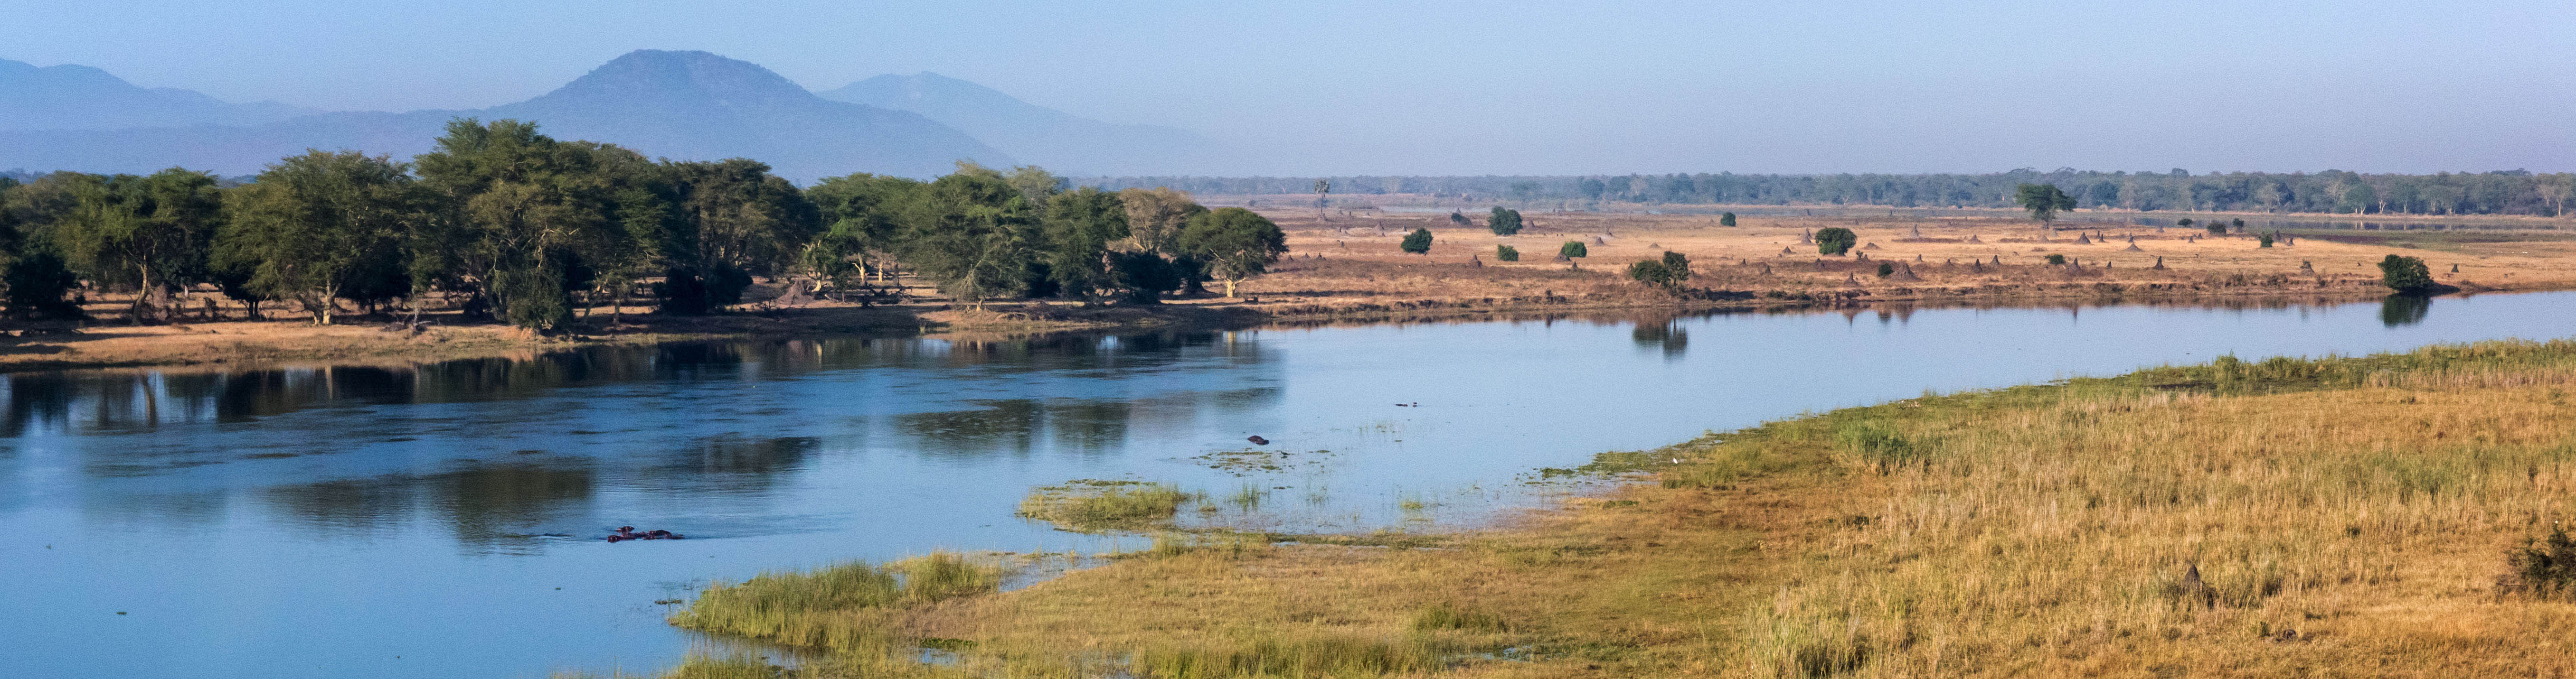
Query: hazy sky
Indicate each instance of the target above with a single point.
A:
(1495, 87)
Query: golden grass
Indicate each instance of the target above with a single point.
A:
(1093, 505)
(2344, 517)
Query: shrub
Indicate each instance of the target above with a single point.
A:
(2057, 259)
(1678, 265)
(1507, 253)
(2547, 567)
(1572, 248)
(1505, 222)
(1418, 242)
(1886, 269)
(1445, 615)
(2183, 222)
(1835, 240)
(1727, 219)
(2405, 274)
(1878, 445)
(1456, 218)
(1651, 272)
(2264, 239)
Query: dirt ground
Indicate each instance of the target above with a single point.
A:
(1345, 267)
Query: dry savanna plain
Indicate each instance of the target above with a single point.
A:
(2384, 516)
(1345, 266)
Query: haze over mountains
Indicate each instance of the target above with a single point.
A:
(1047, 137)
(674, 104)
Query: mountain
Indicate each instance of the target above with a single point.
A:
(679, 105)
(72, 97)
(1059, 141)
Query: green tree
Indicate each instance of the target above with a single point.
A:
(861, 227)
(1835, 240)
(1143, 276)
(2405, 274)
(1459, 218)
(31, 267)
(1653, 273)
(524, 218)
(150, 234)
(1886, 269)
(1080, 225)
(1418, 242)
(1727, 219)
(1507, 253)
(737, 221)
(1035, 183)
(310, 225)
(2043, 201)
(1234, 244)
(973, 235)
(1572, 248)
(1323, 190)
(1155, 217)
(39, 283)
(1677, 266)
(1505, 222)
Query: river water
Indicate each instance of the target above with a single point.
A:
(445, 521)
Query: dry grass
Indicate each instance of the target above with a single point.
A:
(2346, 517)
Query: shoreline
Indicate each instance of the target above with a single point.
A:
(1856, 541)
(238, 344)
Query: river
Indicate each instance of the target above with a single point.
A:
(445, 521)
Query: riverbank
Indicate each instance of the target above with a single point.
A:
(1347, 268)
(2337, 517)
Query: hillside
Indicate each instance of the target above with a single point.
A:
(1059, 141)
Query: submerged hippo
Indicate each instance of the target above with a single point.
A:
(625, 533)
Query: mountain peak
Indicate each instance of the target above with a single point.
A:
(75, 97)
(683, 75)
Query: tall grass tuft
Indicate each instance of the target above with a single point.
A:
(1273, 655)
(1449, 616)
(1092, 505)
(831, 607)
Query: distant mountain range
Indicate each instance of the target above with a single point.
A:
(679, 105)
(1047, 137)
(69, 97)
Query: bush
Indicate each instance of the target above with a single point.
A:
(1678, 264)
(1143, 276)
(2052, 259)
(2264, 239)
(1504, 222)
(1651, 272)
(1572, 248)
(1835, 240)
(2547, 567)
(38, 282)
(1727, 219)
(1456, 218)
(1507, 253)
(1418, 242)
(2405, 274)
(1878, 445)
(1886, 269)
(2183, 222)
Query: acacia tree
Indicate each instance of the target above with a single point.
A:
(737, 220)
(310, 222)
(1155, 217)
(862, 225)
(972, 234)
(1079, 226)
(1504, 222)
(1234, 244)
(2043, 201)
(150, 233)
(522, 217)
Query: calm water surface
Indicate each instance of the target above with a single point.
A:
(444, 521)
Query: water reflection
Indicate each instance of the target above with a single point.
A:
(2403, 310)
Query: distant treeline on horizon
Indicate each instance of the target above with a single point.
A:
(2511, 192)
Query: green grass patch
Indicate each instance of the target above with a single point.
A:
(1094, 506)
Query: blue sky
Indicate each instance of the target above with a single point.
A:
(1498, 87)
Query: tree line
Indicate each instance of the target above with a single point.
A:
(503, 222)
(2515, 192)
